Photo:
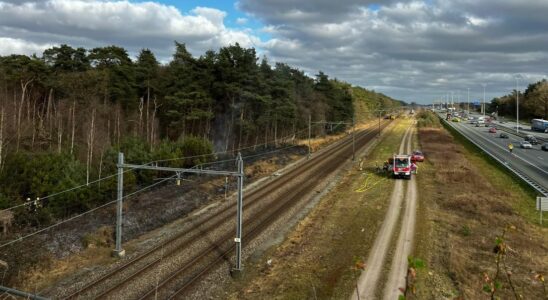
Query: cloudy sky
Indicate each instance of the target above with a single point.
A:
(411, 50)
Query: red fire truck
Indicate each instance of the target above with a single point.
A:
(401, 166)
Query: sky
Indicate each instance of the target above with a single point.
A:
(416, 51)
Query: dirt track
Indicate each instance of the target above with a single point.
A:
(368, 281)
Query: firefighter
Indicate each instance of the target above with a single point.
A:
(414, 168)
(510, 147)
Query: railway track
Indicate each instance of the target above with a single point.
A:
(167, 270)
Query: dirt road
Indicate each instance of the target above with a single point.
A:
(398, 270)
(368, 281)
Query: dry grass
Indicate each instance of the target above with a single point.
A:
(316, 260)
(467, 202)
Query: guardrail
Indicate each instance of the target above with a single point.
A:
(520, 134)
(539, 188)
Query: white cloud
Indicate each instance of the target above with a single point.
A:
(410, 49)
(92, 23)
(19, 46)
(241, 21)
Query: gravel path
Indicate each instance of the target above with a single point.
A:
(368, 281)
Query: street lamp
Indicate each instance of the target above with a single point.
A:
(483, 106)
(517, 76)
(468, 102)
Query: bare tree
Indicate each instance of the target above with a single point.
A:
(24, 86)
(73, 120)
(33, 124)
(147, 109)
(1, 137)
(60, 135)
(89, 159)
(152, 135)
(141, 105)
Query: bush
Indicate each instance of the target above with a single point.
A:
(427, 119)
(28, 175)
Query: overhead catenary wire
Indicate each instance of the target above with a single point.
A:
(165, 160)
(233, 150)
(82, 214)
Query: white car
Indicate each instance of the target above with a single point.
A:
(525, 145)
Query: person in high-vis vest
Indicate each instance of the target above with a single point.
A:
(510, 147)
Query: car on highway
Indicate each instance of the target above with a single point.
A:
(544, 147)
(493, 130)
(417, 156)
(531, 139)
(455, 119)
(525, 145)
(503, 135)
(477, 124)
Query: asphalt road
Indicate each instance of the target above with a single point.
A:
(511, 125)
(533, 163)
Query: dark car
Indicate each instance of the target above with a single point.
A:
(503, 135)
(531, 139)
(417, 156)
(544, 147)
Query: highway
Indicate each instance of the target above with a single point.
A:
(525, 128)
(530, 163)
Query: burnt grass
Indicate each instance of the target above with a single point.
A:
(466, 203)
(142, 213)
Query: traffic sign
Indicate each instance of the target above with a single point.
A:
(542, 205)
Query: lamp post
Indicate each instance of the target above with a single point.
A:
(483, 106)
(468, 101)
(518, 76)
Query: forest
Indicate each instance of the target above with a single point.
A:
(533, 103)
(65, 115)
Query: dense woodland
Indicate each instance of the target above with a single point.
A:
(533, 103)
(65, 115)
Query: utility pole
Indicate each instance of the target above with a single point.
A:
(379, 132)
(309, 134)
(468, 102)
(517, 104)
(119, 251)
(238, 238)
(353, 138)
(239, 214)
(484, 99)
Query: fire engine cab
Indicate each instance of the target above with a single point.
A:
(401, 166)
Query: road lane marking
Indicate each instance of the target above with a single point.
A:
(506, 150)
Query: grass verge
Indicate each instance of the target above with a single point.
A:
(466, 201)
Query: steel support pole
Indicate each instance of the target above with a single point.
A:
(119, 251)
(379, 131)
(309, 134)
(353, 138)
(468, 103)
(238, 238)
(517, 106)
(22, 294)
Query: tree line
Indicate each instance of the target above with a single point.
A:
(533, 103)
(64, 115)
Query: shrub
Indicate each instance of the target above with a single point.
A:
(427, 119)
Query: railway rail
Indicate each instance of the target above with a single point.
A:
(211, 235)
